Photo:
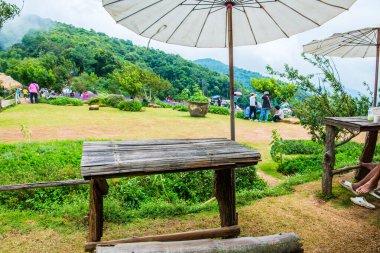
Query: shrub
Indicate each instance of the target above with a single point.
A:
(301, 164)
(130, 106)
(66, 101)
(96, 101)
(163, 105)
(297, 147)
(239, 115)
(181, 108)
(218, 110)
(198, 96)
(42, 100)
(113, 100)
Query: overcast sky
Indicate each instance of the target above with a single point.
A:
(90, 14)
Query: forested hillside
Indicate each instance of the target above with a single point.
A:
(87, 60)
(242, 75)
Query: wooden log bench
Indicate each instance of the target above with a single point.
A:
(279, 243)
(103, 160)
(360, 124)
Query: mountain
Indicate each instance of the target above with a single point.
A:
(14, 30)
(242, 75)
(58, 54)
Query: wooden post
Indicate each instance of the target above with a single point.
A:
(328, 160)
(98, 188)
(225, 194)
(231, 69)
(367, 154)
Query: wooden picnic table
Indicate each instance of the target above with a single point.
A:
(112, 159)
(360, 124)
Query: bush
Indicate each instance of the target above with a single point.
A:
(301, 164)
(113, 100)
(130, 106)
(66, 101)
(301, 147)
(181, 108)
(163, 105)
(42, 100)
(239, 115)
(96, 101)
(218, 110)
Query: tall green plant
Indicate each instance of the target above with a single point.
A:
(277, 149)
(323, 95)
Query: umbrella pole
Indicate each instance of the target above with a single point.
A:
(231, 64)
(377, 68)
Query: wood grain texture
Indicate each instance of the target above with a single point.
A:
(367, 154)
(131, 158)
(183, 236)
(96, 210)
(279, 243)
(328, 160)
(42, 185)
(353, 123)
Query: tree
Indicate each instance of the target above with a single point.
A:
(130, 77)
(279, 91)
(326, 98)
(85, 82)
(7, 11)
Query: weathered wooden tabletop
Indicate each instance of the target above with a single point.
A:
(354, 123)
(112, 159)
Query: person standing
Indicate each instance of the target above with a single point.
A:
(266, 107)
(235, 100)
(219, 101)
(33, 91)
(252, 106)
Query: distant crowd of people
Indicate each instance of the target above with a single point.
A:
(258, 111)
(33, 92)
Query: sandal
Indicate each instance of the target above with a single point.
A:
(361, 201)
(348, 186)
(375, 193)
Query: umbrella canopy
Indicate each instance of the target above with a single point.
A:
(209, 23)
(8, 82)
(359, 43)
(238, 93)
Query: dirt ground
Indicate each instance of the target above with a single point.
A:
(323, 226)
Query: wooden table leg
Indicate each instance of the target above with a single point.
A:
(328, 160)
(226, 196)
(367, 154)
(98, 188)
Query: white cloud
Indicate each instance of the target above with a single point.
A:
(91, 14)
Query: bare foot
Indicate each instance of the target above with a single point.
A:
(366, 188)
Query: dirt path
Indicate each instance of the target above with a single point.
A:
(271, 181)
(323, 226)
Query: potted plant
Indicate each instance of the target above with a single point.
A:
(198, 104)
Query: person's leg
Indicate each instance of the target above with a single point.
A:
(276, 118)
(367, 178)
(372, 183)
(261, 115)
(36, 98)
(31, 97)
(266, 114)
(254, 112)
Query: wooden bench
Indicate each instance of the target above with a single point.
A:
(279, 243)
(103, 160)
(359, 124)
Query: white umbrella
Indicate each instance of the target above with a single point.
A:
(208, 23)
(359, 43)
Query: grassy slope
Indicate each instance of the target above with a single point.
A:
(301, 212)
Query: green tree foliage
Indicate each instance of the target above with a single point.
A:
(69, 52)
(326, 98)
(279, 91)
(130, 77)
(7, 11)
(85, 82)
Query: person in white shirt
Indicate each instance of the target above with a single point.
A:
(279, 115)
(252, 106)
